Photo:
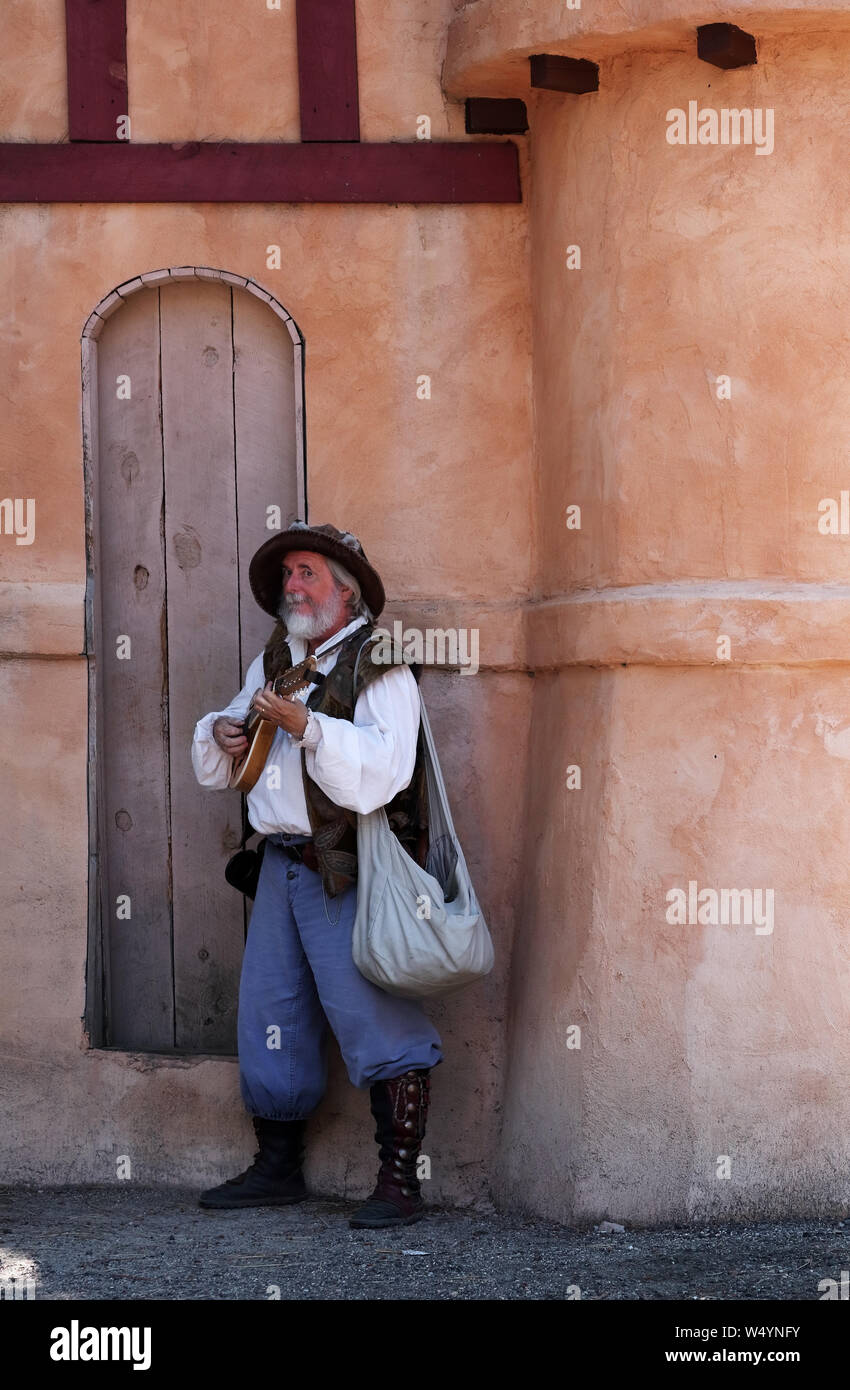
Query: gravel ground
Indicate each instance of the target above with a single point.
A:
(145, 1243)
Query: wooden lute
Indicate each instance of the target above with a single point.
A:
(260, 732)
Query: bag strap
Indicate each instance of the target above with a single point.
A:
(439, 810)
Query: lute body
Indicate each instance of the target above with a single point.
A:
(260, 732)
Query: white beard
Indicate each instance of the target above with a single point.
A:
(302, 619)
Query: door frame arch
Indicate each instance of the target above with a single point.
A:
(94, 1017)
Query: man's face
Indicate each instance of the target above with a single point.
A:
(311, 602)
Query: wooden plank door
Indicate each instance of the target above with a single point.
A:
(190, 470)
(133, 716)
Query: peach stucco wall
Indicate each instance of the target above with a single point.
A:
(599, 646)
(699, 518)
(437, 490)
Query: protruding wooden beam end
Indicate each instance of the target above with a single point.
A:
(725, 46)
(495, 116)
(558, 74)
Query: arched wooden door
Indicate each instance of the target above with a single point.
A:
(196, 458)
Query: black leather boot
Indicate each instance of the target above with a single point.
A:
(400, 1107)
(274, 1178)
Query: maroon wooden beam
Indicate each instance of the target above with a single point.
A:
(202, 172)
(726, 46)
(96, 49)
(327, 70)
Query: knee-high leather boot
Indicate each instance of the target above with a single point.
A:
(400, 1108)
(274, 1179)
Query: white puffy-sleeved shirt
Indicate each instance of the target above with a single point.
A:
(360, 765)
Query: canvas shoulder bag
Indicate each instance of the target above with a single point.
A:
(418, 931)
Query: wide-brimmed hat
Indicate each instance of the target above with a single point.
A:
(265, 575)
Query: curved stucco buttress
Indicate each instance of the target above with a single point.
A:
(490, 41)
(691, 647)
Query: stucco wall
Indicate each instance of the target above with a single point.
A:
(437, 490)
(700, 519)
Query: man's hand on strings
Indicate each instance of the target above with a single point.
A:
(288, 713)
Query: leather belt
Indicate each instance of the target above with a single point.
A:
(302, 854)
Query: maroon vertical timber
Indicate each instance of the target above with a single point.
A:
(96, 45)
(327, 69)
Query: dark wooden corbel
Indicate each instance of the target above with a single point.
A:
(725, 45)
(495, 116)
(558, 74)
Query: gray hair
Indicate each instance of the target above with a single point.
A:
(357, 604)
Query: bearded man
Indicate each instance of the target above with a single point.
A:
(351, 745)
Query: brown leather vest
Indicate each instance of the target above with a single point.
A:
(334, 827)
